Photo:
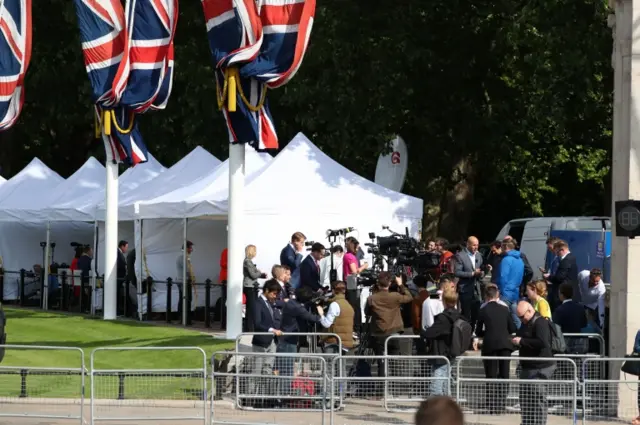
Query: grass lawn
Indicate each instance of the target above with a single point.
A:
(38, 328)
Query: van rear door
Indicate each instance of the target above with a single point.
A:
(534, 243)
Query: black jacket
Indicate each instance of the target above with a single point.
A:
(535, 342)
(567, 273)
(495, 325)
(263, 320)
(571, 317)
(438, 336)
(121, 267)
(294, 319)
(310, 274)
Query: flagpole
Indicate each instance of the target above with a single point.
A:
(235, 239)
(111, 241)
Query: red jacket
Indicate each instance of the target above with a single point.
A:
(223, 266)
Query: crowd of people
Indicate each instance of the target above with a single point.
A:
(490, 304)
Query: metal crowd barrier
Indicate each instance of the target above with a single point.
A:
(155, 394)
(277, 385)
(28, 391)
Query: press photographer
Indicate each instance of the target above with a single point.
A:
(386, 319)
(339, 320)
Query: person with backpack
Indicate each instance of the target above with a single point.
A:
(534, 339)
(449, 336)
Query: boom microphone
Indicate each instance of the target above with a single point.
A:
(338, 232)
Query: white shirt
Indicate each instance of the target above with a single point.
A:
(333, 312)
(499, 301)
(325, 269)
(592, 298)
(472, 257)
(430, 309)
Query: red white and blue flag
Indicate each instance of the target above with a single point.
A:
(15, 54)
(129, 60)
(266, 40)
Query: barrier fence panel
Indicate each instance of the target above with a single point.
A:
(151, 394)
(282, 388)
(315, 342)
(526, 393)
(42, 382)
(368, 395)
(614, 397)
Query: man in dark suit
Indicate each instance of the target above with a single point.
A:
(571, 317)
(468, 269)
(266, 318)
(496, 326)
(132, 279)
(290, 256)
(310, 268)
(567, 272)
(121, 273)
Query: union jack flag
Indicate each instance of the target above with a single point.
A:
(15, 54)
(129, 60)
(266, 40)
(150, 28)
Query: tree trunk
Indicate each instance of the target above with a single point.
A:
(458, 202)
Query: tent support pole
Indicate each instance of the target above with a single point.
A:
(45, 268)
(235, 239)
(140, 259)
(110, 291)
(94, 272)
(185, 252)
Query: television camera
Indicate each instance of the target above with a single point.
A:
(400, 252)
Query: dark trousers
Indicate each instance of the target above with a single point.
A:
(554, 297)
(469, 305)
(250, 293)
(354, 300)
(533, 395)
(496, 392)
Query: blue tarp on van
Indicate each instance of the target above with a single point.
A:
(592, 248)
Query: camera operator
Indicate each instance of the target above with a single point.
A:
(386, 319)
(339, 320)
(295, 317)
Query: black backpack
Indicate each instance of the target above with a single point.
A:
(558, 344)
(460, 337)
(3, 335)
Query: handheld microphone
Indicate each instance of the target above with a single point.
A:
(338, 232)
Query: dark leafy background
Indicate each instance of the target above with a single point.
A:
(505, 105)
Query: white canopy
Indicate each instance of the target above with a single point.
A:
(34, 183)
(86, 180)
(197, 163)
(201, 196)
(2, 180)
(20, 241)
(305, 190)
(301, 189)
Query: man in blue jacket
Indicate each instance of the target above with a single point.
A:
(510, 277)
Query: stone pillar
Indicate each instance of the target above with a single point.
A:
(624, 305)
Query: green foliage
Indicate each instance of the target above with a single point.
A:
(519, 92)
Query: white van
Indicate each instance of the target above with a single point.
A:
(532, 234)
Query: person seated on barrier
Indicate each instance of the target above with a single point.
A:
(295, 315)
(440, 410)
(266, 319)
(339, 320)
(571, 318)
(534, 341)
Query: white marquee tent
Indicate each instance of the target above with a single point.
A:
(163, 227)
(318, 194)
(21, 238)
(302, 189)
(197, 163)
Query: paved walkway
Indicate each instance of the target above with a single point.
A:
(357, 412)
